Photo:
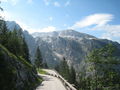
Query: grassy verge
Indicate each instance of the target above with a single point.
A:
(41, 71)
(17, 58)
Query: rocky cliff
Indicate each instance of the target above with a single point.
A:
(72, 45)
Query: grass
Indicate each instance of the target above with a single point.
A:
(18, 58)
(41, 71)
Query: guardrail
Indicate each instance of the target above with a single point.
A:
(65, 83)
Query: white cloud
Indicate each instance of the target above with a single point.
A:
(12, 17)
(95, 19)
(67, 3)
(110, 36)
(13, 2)
(47, 2)
(6, 15)
(29, 1)
(64, 25)
(50, 18)
(4, 0)
(100, 22)
(25, 26)
(45, 29)
(112, 32)
(32, 30)
(57, 4)
(48, 29)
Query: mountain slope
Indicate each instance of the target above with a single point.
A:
(72, 45)
(16, 73)
(31, 44)
(11, 25)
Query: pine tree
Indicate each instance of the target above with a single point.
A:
(57, 68)
(72, 75)
(26, 51)
(15, 43)
(38, 59)
(64, 69)
(101, 68)
(3, 33)
(45, 64)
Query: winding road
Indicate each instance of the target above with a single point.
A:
(50, 82)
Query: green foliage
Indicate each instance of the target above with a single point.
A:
(19, 58)
(38, 59)
(10, 69)
(41, 71)
(45, 65)
(14, 61)
(67, 72)
(72, 75)
(3, 33)
(6, 73)
(26, 51)
(13, 41)
(64, 69)
(101, 72)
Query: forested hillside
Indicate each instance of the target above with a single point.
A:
(101, 70)
(16, 70)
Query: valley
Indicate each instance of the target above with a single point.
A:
(71, 60)
(59, 44)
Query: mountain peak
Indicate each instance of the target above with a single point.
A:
(11, 25)
(63, 33)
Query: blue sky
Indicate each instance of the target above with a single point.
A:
(100, 18)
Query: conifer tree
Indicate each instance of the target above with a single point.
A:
(72, 75)
(45, 64)
(38, 59)
(101, 71)
(3, 33)
(26, 51)
(64, 69)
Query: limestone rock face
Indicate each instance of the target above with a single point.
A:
(72, 45)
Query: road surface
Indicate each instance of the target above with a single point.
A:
(50, 82)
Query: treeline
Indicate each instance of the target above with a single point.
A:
(15, 61)
(17, 72)
(67, 72)
(101, 70)
(14, 41)
(39, 62)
